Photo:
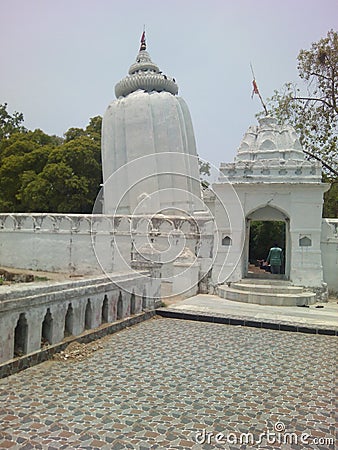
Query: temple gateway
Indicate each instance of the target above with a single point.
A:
(274, 182)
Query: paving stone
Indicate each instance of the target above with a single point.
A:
(157, 384)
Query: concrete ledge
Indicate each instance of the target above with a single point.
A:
(266, 276)
(267, 287)
(247, 322)
(273, 298)
(16, 365)
(41, 290)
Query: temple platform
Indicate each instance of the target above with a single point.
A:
(321, 318)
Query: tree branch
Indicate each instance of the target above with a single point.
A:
(316, 100)
(331, 169)
(319, 75)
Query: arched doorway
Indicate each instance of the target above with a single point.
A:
(47, 329)
(132, 304)
(88, 315)
(266, 226)
(69, 321)
(104, 310)
(119, 314)
(21, 336)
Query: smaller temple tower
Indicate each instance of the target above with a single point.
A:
(270, 180)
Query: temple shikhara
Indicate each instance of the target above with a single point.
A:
(149, 153)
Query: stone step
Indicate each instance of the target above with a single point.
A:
(271, 281)
(264, 298)
(266, 275)
(274, 288)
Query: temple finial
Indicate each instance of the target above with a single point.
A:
(143, 40)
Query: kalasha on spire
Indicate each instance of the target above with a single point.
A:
(143, 41)
(145, 75)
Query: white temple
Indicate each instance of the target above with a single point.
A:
(271, 180)
(149, 154)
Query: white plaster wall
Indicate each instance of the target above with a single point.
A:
(79, 245)
(306, 220)
(329, 249)
(64, 252)
(95, 244)
(301, 204)
(229, 221)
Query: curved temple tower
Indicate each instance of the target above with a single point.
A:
(149, 154)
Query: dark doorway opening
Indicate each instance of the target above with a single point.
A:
(119, 314)
(47, 329)
(263, 235)
(104, 313)
(88, 315)
(132, 304)
(21, 336)
(144, 302)
(69, 320)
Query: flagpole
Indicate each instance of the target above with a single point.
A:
(256, 90)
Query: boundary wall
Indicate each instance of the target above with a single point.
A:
(34, 316)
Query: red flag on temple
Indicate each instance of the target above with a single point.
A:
(143, 41)
(256, 91)
(255, 88)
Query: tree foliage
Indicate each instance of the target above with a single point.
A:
(9, 124)
(330, 207)
(42, 173)
(312, 107)
(204, 169)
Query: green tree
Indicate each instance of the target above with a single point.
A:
(82, 156)
(74, 133)
(42, 173)
(55, 189)
(312, 107)
(330, 207)
(68, 182)
(93, 130)
(9, 124)
(20, 153)
(204, 169)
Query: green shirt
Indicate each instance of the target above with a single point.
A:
(275, 256)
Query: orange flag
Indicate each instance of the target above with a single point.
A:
(255, 88)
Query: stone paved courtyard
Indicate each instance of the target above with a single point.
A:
(157, 384)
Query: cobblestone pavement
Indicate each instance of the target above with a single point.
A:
(157, 384)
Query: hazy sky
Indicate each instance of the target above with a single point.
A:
(60, 59)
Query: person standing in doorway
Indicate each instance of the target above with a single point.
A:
(275, 258)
